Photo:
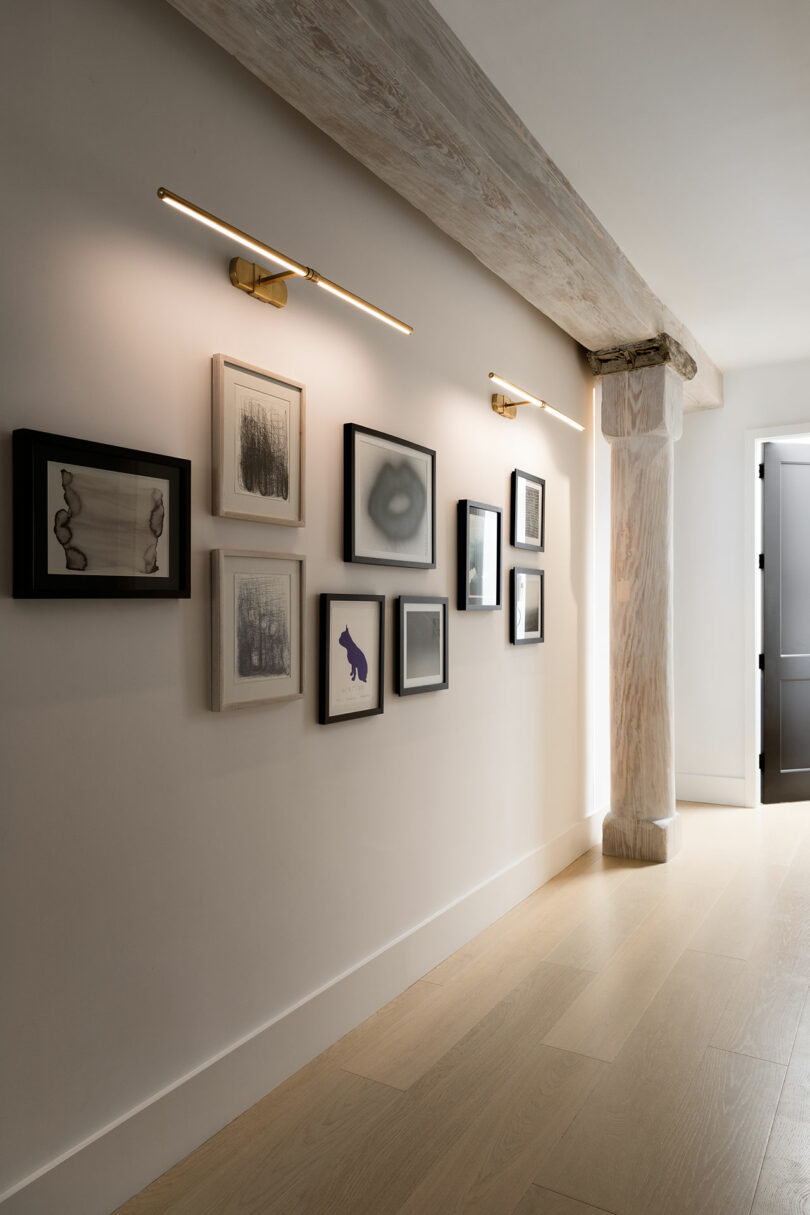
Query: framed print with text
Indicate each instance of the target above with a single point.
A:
(92, 521)
(421, 644)
(257, 631)
(352, 648)
(258, 444)
(528, 526)
(479, 556)
(389, 499)
(526, 621)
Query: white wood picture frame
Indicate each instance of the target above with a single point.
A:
(258, 444)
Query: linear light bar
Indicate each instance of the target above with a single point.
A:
(528, 399)
(290, 267)
(363, 305)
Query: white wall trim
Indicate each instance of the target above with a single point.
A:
(99, 1173)
(717, 790)
(754, 438)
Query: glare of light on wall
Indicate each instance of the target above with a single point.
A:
(255, 280)
(508, 409)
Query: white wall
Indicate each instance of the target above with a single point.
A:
(174, 880)
(712, 655)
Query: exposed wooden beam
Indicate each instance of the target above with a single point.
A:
(392, 84)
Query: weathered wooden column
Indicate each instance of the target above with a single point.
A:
(642, 416)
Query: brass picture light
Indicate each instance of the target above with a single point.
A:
(265, 285)
(508, 409)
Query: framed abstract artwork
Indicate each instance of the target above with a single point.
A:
(479, 556)
(528, 608)
(93, 521)
(258, 444)
(421, 644)
(389, 501)
(528, 527)
(257, 630)
(352, 646)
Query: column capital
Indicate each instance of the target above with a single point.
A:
(648, 352)
(647, 401)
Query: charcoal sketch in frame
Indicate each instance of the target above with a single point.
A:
(389, 499)
(257, 628)
(258, 444)
(352, 648)
(421, 644)
(528, 527)
(93, 521)
(479, 556)
(527, 594)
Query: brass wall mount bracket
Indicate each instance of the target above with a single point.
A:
(504, 407)
(259, 282)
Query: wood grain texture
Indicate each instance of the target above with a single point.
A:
(502, 1121)
(712, 1160)
(641, 419)
(537, 1201)
(629, 1117)
(784, 1183)
(599, 1021)
(394, 86)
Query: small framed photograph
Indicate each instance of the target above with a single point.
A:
(389, 500)
(528, 609)
(421, 644)
(479, 556)
(93, 521)
(257, 631)
(352, 650)
(528, 529)
(258, 444)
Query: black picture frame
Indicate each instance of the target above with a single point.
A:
(468, 600)
(35, 572)
(364, 540)
(406, 682)
(517, 622)
(519, 480)
(334, 684)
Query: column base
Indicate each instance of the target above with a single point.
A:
(641, 839)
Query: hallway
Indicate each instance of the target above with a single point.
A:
(630, 1039)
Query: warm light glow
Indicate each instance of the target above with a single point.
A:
(528, 398)
(219, 225)
(287, 263)
(363, 305)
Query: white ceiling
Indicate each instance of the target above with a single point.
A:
(685, 126)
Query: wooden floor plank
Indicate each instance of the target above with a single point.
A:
(542, 920)
(737, 923)
(641, 1081)
(764, 1007)
(439, 1108)
(599, 1022)
(711, 1162)
(490, 1165)
(591, 945)
(402, 1055)
(784, 1183)
(537, 1201)
(610, 1155)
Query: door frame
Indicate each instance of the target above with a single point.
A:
(800, 433)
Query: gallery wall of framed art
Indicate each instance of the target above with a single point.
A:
(251, 849)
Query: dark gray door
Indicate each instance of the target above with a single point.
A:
(786, 623)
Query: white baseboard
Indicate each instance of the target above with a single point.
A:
(718, 790)
(100, 1173)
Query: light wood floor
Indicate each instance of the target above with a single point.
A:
(630, 1039)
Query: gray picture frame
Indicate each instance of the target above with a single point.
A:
(232, 685)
